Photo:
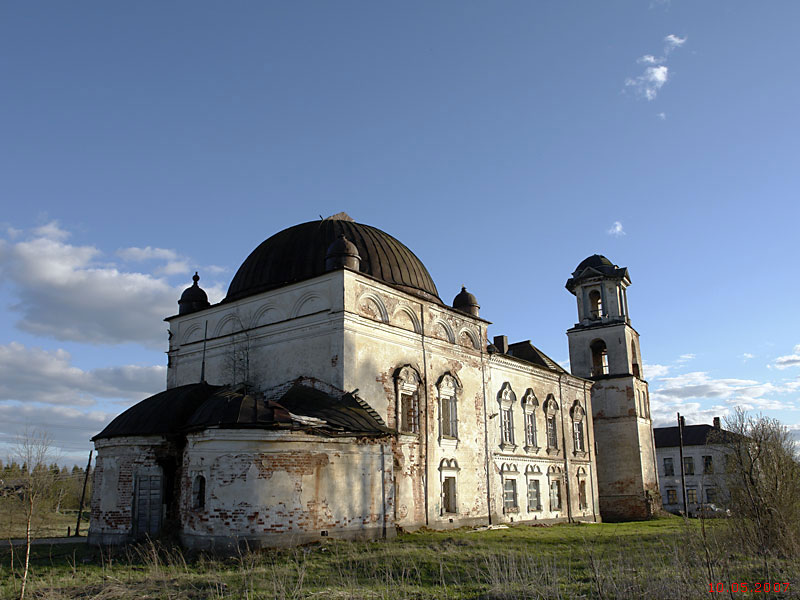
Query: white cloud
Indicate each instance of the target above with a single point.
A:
(673, 41)
(746, 393)
(64, 292)
(147, 253)
(684, 358)
(51, 231)
(616, 229)
(789, 360)
(655, 371)
(662, 116)
(656, 73)
(48, 377)
(649, 59)
(747, 356)
(650, 82)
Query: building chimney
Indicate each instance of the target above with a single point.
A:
(717, 424)
(501, 343)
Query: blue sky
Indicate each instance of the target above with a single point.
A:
(502, 142)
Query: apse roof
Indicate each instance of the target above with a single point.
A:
(298, 253)
(300, 405)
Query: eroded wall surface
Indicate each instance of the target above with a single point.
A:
(282, 488)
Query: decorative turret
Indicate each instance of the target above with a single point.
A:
(193, 298)
(342, 253)
(466, 302)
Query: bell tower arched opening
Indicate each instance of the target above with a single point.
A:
(599, 358)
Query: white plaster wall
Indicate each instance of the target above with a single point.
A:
(699, 481)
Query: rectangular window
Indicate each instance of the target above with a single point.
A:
(509, 494)
(409, 413)
(555, 495)
(691, 496)
(507, 426)
(711, 495)
(669, 469)
(552, 434)
(688, 465)
(449, 418)
(577, 429)
(672, 496)
(708, 465)
(530, 429)
(449, 495)
(534, 499)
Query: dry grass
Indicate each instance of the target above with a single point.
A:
(666, 559)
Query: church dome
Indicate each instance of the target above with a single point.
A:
(466, 302)
(193, 298)
(300, 253)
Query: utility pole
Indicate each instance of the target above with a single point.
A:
(83, 494)
(683, 474)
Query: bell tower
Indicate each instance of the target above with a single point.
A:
(604, 347)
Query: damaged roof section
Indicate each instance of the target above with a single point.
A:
(303, 404)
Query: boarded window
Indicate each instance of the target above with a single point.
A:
(534, 497)
(577, 430)
(530, 429)
(507, 426)
(409, 415)
(672, 496)
(582, 503)
(199, 492)
(555, 495)
(552, 433)
(691, 496)
(449, 495)
(449, 417)
(509, 494)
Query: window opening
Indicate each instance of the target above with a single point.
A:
(509, 493)
(449, 495)
(534, 498)
(595, 304)
(669, 468)
(688, 465)
(599, 358)
(708, 465)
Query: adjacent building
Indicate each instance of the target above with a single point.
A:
(704, 466)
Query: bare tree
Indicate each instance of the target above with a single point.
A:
(33, 449)
(764, 482)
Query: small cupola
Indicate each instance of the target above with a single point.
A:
(342, 253)
(466, 302)
(193, 298)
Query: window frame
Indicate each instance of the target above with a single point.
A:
(408, 416)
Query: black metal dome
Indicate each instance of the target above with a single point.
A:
(595, 260)
(299, 253)
(193, 298)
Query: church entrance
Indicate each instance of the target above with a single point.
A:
(148, 505)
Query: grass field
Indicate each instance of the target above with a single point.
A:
(661, 559)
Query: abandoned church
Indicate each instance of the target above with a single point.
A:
(333, 393)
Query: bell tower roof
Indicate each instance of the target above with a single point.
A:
(596, 266)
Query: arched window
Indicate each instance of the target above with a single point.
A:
(506, 398)
(509, 474)
(407, 383)
(583, 503)
(578, 438)
(532, 474)
(448, 387)
(595, 305)
(199, 492)
(635, 360)
(529, 404)
(599, 358)
(550, 414)
(554, 477)
(448, 468)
